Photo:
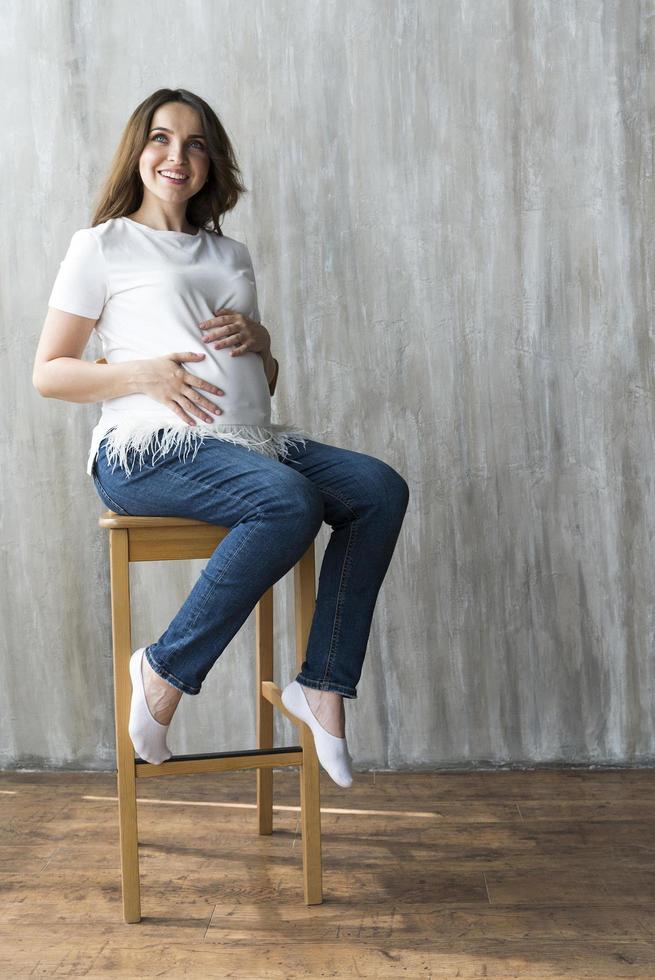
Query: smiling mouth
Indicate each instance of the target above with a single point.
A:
(174, 180)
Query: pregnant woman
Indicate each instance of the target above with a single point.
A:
(186, 395)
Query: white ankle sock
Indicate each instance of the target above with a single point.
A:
(331, 750)
(147, 734)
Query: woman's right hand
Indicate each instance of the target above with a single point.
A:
(165, 380)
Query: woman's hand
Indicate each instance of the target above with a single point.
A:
(165, 380)
(231, 329)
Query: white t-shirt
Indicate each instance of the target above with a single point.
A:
(149, 290)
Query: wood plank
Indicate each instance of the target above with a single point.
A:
(440, 961)
(512, 874)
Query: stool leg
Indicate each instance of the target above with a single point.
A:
(304, 575)
(126, 778)
(264, 645)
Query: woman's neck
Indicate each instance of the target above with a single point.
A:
(162, 222)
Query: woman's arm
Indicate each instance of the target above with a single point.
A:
(74, 380)
(59, 371)
(272, 368)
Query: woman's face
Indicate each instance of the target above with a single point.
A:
(175, 145)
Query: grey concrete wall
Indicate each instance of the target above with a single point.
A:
(451, 223)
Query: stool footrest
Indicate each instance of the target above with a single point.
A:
(182, 765)
(273, 693)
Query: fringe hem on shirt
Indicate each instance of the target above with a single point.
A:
(273, 440)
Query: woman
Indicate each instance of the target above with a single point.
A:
(158, 280)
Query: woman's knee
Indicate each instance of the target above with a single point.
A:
(303, 509)
(388, 489)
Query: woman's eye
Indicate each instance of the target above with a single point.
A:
(196, 142)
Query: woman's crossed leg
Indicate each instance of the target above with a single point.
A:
(274, 509)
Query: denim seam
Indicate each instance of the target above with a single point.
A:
(167, 674)
(336, 496)
(336, 627)
(316, 685)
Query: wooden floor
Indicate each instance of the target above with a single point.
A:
(442, 875)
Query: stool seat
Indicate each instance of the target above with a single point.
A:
(161, 538)
(111, 519)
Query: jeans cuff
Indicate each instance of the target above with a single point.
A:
(347, 692)
(171, 678)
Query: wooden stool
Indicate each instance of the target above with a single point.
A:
(175, 538)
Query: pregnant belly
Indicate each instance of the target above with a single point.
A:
(247, 400)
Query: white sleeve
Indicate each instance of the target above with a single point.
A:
(255, 302)
(81, 283)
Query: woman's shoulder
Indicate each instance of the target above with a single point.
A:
(228, 246)
(223, 239)
(103, 232)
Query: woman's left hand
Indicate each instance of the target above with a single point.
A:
(230, 329)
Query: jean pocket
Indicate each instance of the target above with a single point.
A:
(106, 499)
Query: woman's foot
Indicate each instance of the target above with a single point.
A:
(147, 733)
(327, 707)
(162, 698)
(332, 750)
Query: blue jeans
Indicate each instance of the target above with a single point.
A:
(274, 509)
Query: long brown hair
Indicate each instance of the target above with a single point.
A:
(122, 192)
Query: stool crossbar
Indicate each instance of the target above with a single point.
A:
(134, 539)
